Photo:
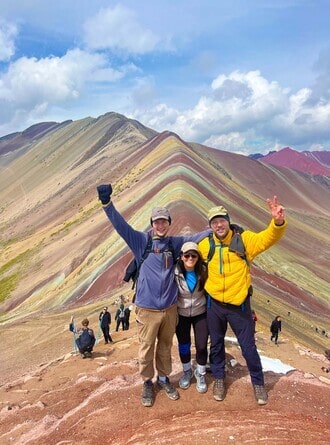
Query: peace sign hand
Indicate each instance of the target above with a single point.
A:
(277, 210)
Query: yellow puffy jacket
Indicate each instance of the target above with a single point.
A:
(228, 274)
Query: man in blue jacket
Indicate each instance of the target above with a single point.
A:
(156, 292)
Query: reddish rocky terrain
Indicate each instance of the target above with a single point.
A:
(68, 400)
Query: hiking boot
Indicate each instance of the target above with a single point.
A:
(148, 396)
(219, 389)
(184, 381)
(201, 385)
(170, 391)
(260, 394)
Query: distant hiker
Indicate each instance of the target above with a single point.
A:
(275, 328)
(327, 353)
(120, 317)
(190, 275)
(86, 340)
(156, 292)
(127, 312)
(228, 288)
(255, 319)
(105, 321)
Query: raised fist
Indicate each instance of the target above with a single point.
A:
(104, 192)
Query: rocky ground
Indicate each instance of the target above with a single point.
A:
(52, 396)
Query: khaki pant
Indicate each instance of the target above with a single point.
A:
(156, 330)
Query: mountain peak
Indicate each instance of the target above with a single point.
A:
(301, 161)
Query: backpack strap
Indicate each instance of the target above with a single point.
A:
(236, 244)
(146, 252)
(211, 249)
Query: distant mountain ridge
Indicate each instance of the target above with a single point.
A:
(312, 162)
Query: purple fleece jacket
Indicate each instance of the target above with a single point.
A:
(156, 288)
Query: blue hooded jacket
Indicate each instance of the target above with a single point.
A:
(156, 288)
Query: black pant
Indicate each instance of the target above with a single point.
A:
(122, 321)
(274, 336)
(106, 333)
(240, 320)
(183, 333)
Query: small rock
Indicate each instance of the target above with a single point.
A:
(324, 379)
(309, 375)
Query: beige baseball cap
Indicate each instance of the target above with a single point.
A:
(189, 246)
(219, 211)
(160, 213)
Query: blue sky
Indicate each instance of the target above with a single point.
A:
(242, 75)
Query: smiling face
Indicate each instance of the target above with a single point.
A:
(189, 259)
(160, 227)
(220, 227)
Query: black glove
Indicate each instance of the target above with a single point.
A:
(104, 192)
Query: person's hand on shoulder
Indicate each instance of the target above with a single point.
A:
(104, 191)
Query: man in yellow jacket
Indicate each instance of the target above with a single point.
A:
(228, 289)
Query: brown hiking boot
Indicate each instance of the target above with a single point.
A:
(219, 389)
(170, 391)
(260, 394)
(148, 396)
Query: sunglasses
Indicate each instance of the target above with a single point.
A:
(190, 255)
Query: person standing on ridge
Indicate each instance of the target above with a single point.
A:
(190, 276)
(120, 317)
(105, 321)
(275, 329)
(127, 316)
(228, 288)
(156, 292)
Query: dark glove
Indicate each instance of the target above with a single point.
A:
(104, 192)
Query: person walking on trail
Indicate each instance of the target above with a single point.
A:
(86, 338)
(275, 329)
(105, 321)
(228, 291)
(120, 317)
(156, 292)
(190, 276)
(127, 316)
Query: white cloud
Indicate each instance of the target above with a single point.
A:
(31, 88)
(245, 112)
(8, 32)
(144, 91)
(189, 76)
(119, 30)
(231, 142)
(160, 118)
